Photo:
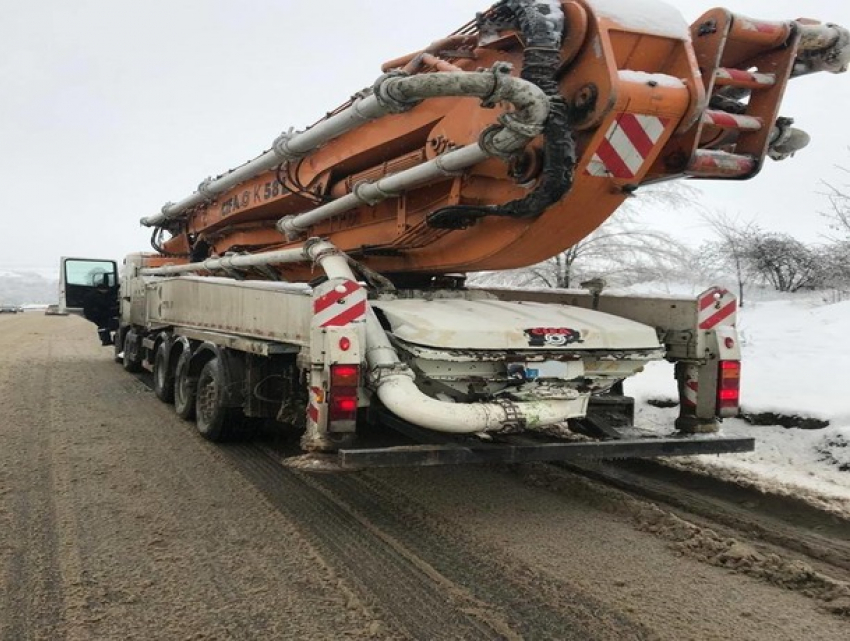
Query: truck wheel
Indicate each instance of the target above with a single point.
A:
(184, 388)
(214, 419)
(131, 361)
(163, 380)
(118, 346)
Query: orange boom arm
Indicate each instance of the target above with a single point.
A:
(442, 167)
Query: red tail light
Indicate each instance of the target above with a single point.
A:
(345, 375)
(728, 388)
(342, 401)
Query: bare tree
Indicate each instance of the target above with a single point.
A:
(835, 256)
(834, 263)
(784, 262)
(731, 251)
(839, 211)
(621, 251)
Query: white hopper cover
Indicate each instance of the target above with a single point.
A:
(498, 325)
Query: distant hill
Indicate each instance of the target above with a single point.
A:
(27, 288)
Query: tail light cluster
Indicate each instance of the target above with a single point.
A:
(342, 397)
(728, 388)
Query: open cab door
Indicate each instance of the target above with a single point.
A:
(82, 278)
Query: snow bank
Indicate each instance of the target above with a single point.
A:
(795, 357)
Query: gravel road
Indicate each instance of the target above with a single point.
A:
(118, 522)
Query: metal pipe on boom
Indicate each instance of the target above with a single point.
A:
(518, 128)
(392, 93)
(236, 261)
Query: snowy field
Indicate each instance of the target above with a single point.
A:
(796, 356)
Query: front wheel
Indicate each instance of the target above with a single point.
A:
(118, 347)
(214, 419)
(131, 361)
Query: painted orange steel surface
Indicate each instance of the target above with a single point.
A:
(650, 86)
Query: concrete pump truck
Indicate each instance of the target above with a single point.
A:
(320, 286)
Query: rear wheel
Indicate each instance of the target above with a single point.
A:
(184, 388)
(118, 347)
(163, 379)
(214, 419)
(131, 361)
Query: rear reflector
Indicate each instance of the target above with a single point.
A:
(345, 375)
(342, 401)
(728, 388)
(343, 404)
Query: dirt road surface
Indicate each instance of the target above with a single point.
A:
(117, 521)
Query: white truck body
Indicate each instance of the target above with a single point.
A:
(454, 361)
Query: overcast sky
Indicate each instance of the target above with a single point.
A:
(109, 108)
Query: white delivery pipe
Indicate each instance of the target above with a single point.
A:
(398, 391)
(293, 255)
(387, 187)
(392, 94)
(285, 147)
(519, 128)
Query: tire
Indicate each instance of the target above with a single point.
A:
(163, 379)
(131, 361)
(214, 420)
(184, 388)
(118, 348)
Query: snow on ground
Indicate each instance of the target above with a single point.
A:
(795, 360)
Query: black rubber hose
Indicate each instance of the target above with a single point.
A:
(541, 59)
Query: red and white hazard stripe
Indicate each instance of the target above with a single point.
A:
(344, 304)
(716, 307)
(740, 77)
(316, 397)
(690, 387)
(630, 140)
(732, 121)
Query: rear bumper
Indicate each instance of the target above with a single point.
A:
(453, 454)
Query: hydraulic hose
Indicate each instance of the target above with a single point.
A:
(540, 29)
(531, 108)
